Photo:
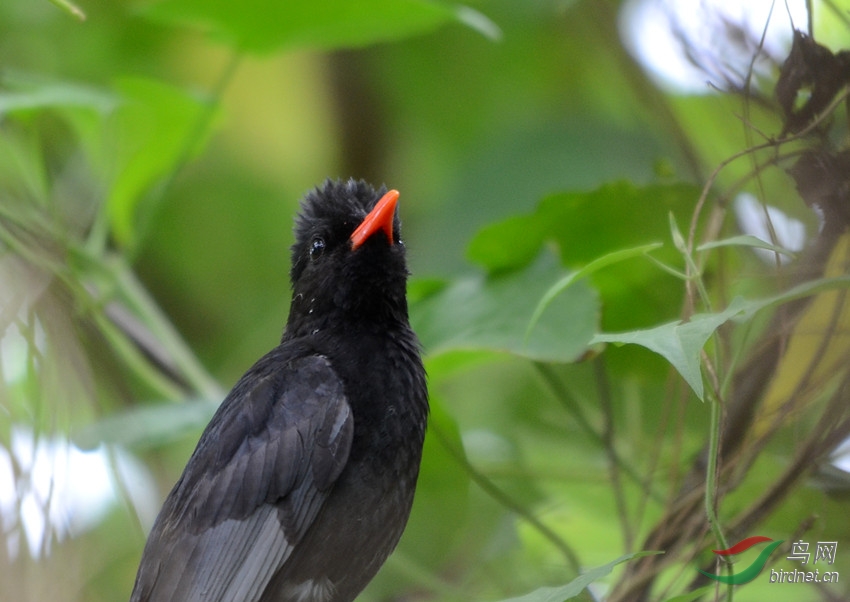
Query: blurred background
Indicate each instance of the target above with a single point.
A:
(152, 155)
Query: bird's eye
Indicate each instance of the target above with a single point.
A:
(317, 247)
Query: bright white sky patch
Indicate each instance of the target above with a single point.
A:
(649, 29)
(841, 456)
(50, 489)
(752, 217)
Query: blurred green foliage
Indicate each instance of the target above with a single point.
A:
(151, 160)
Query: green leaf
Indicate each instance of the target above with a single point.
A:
(586, 225)
(19, 92)
(152, 131)
(680, 343)
(493, 312)
(135, 136)
(70, 8)
(508, 244)
(264, 26)
(593, 266)
(745, 240)
(148, 426)
(577, 585)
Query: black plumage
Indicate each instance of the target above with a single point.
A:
(301, 485)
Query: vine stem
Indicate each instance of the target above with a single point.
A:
(711, 473)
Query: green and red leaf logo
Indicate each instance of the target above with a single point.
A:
(752, 571)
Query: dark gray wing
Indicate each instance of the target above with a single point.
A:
(261, 471)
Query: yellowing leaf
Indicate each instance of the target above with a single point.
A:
(817, 353)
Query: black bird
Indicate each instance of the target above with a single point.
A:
(301, 484)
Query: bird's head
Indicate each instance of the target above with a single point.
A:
(348, 261)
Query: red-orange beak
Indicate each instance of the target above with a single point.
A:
(380, 218)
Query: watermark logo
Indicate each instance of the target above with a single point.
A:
(752, 571)
(824, 552)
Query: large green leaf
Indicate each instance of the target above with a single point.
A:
(493, 313)
(135, 136)
(153, 131)
(267, 25)
(586, 225)
(589, 225)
